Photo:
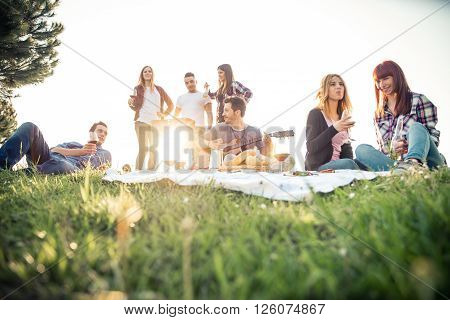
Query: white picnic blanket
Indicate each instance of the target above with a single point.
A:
(274, 186)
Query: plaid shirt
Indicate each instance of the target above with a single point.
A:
(236, 89)
(422, 111)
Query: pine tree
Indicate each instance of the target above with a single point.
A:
(28, 41)
(8, 121)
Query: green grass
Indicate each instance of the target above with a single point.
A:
(211, 243)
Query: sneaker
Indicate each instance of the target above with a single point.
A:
(409, 165)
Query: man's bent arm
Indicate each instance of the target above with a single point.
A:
(66, 152)
(87, 149)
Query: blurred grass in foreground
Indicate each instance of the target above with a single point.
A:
(207, 243)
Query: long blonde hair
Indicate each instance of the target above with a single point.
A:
(322, 96)
(142, 81)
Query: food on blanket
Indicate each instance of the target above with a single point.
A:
(302, 173)
(251, 161)
(327, 171)
(228, 159)
(126, 168)
(179, 165)
(264, 160)
(257, 160)
(241, 157)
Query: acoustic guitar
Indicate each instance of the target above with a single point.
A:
(237, 144)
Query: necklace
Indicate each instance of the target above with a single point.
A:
(238, 139)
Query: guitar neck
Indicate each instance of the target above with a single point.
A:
(244, 142)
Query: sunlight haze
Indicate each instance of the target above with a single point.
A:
(280, 50)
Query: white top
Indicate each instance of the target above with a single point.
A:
(151, 105)
(192, 105)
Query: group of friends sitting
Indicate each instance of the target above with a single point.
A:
(404, 121)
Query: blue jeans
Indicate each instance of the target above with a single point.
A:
(28, 141)
(339, 164)
(420, 146)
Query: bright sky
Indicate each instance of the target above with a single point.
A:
(279, 49)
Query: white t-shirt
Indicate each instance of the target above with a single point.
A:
(192, 105)
(151, 105)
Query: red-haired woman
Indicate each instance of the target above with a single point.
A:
(405, 123)
(148, 104)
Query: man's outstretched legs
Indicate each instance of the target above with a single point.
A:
(27, 140)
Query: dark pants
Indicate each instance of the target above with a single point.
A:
(28, 141)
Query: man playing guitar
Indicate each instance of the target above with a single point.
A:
(234, 136)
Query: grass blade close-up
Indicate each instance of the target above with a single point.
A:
(67, 234)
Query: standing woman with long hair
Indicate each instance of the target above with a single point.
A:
(148, 104)
(228, 87)
(405, 123)
(327, 140)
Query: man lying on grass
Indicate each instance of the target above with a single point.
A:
(64, 158)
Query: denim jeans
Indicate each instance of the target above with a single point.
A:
(28, 141)
(372, 159)
(339, 164)
(420, 146)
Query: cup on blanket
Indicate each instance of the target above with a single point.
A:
(216, 159)
(180, 165)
